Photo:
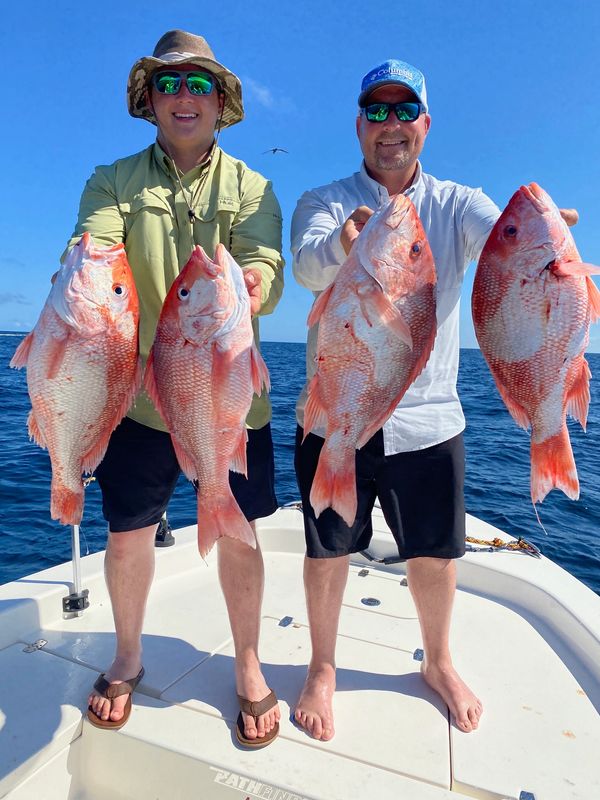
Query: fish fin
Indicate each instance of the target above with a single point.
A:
(35, 431)
(149, 384)
(516, 410)
(186, 462)
(239, 459)
(260, 373)
(594, 298)
(95, 454)
(553, 467)
(66, 505)
(21, 354)
(577, 269)
(418, 368)
(578, 399)
(319, 306)
(335, 488)
(377, 309)
(221, 518)
(315, 415)
(372, 429)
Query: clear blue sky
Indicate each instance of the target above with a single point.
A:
(513, 91)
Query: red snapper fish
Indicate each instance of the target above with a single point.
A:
(202, 372)
(83, 368)
(377, 326)
(533, 301)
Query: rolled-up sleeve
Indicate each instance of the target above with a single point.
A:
(99, 212)
(479, 218)
(316, 248)
(256, 238)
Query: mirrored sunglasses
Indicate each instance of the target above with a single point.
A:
(406, 112)
(169, 82)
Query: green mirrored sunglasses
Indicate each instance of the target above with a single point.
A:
(406, 112)
(169, 82)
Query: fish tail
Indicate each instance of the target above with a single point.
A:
(66, 505)
(553, 467)
(218, 517)
(333, 487)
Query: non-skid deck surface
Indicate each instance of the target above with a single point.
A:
(393, 737)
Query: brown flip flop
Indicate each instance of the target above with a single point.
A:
(110, 691)
(255, 709)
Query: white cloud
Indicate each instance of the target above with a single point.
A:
(256, 91)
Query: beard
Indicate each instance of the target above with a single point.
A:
(392, 161)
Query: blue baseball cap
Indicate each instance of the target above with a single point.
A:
(393, 72)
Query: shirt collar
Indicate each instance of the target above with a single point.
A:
(166, 165)
(379, 192)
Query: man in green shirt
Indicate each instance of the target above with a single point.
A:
(181, 191)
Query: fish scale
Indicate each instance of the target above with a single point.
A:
(377, 327)
(202, 373)
(533, 301)
(83, 367)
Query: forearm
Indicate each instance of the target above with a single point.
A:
(316, 247)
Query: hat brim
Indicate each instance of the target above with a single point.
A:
(143, 69)
(363, 96)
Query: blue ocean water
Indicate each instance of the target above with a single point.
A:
(497, 481)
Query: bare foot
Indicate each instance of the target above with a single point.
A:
(464, 706)
(251, 684)
(120, 670)
(314, 710)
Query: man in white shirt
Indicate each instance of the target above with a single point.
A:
(415, 464)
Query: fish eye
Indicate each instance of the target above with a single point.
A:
(118, 289)
(415, 249)
(510, 231)
(183, 293)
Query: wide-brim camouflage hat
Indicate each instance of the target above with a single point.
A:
(177, 48)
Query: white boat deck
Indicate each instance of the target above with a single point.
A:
(526, 637)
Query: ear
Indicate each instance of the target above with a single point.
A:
(427, 123)
(148, 93)
(358, 123)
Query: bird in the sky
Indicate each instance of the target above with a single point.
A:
(275, 150)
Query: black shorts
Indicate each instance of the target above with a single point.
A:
(139, 472)
(421, 495)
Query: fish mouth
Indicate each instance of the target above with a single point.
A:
(398, 209)
(537, 196)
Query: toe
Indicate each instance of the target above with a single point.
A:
(474, 717)
(102, 708)
(327, 733)
(250, 730)
(464, 724)
(118, 707)
(316, 728)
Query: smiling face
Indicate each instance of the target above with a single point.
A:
(186, 122)
(391, 148)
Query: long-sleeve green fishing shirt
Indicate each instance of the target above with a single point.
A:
(138, 201)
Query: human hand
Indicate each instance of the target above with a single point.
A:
(353, 226)
(570, 216)
(252, 279)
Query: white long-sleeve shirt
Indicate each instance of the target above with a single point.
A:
(457, 220)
